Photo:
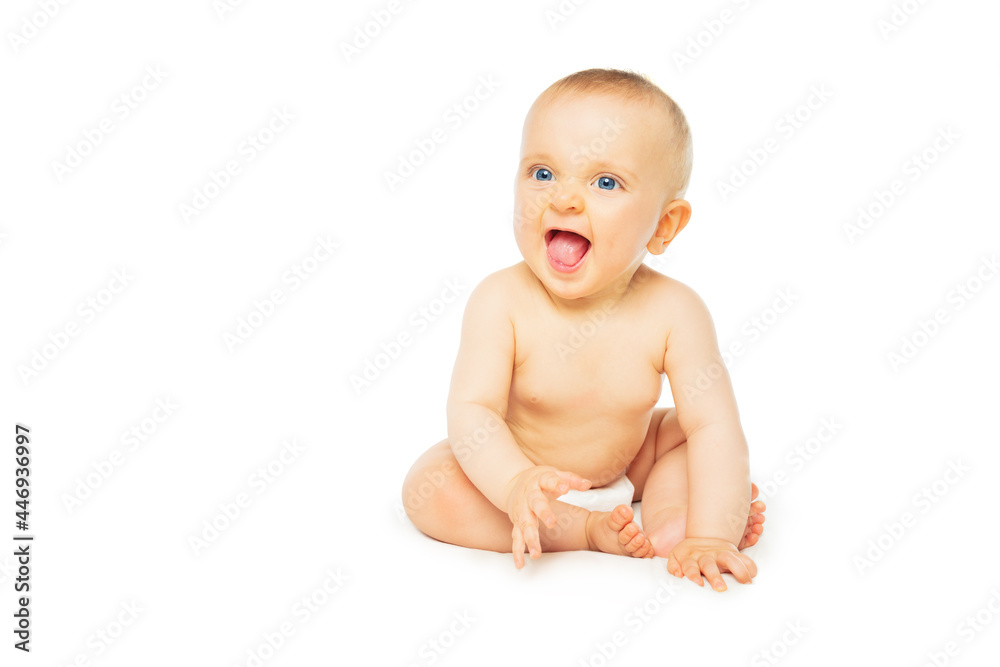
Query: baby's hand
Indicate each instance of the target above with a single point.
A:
(695, 555)
(528, 501)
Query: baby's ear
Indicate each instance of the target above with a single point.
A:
(675, 217)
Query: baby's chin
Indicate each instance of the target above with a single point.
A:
(569, 287)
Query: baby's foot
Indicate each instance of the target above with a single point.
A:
(615, 533)
(755, 521)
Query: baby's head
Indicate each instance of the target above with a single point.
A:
(605, 161)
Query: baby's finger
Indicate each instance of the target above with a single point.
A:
(742, 567)
(751, 566)
(552, 483)
(518, 547)
(539, 504)
(529, 528)
(711, 570)
(692, 571)
(673, 567)
(575, 481)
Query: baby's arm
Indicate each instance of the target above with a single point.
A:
(718, 459)
(477, 432)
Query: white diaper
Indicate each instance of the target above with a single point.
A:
(603, 499)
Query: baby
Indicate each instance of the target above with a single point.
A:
(562, 358)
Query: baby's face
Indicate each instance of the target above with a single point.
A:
(592, 183)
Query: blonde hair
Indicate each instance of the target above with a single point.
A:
(634, 87)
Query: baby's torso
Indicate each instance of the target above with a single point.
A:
(584, 385)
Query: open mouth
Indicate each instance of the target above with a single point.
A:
(565, 249)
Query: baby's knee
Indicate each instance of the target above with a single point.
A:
(669, 434)
(430, 485)
(667, 533)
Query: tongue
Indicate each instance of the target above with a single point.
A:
(568, 248)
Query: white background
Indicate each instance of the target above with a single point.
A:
(336, 506)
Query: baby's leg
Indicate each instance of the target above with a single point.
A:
(663, 486)
(665, 500)
(444, 504)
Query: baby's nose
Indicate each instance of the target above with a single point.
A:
(568, 198)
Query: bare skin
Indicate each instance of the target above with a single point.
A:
(444, 504)
(560, 369)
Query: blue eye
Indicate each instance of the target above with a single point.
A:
(607, 183)
(542, 174)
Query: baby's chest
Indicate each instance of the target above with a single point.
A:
(570, 371)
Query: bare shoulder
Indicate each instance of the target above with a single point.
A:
(500, 290)
(669, 293)
(679, 307)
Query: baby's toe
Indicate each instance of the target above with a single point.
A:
(621, 517)
(628, 533)
(637, 542)
(645, 551)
